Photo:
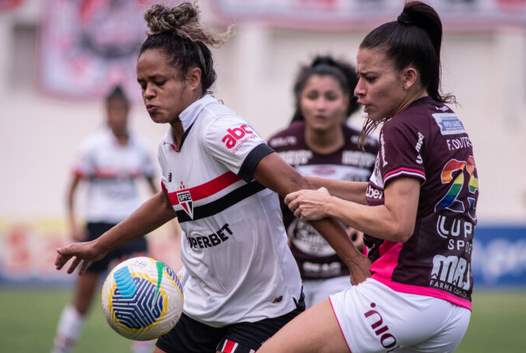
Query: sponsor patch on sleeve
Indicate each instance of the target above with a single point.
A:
(449, 124)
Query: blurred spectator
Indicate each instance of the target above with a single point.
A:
(110, 163)
(319, 143)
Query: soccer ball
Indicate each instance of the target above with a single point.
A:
(142, 298)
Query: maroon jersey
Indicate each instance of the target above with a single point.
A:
(315, 257)
(428, 142)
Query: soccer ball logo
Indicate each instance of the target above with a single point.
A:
(142, 298)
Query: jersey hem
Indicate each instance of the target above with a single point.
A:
(424, 291)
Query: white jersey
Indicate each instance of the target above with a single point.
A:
(235, 247)
(111, 171)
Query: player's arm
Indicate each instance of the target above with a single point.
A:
(151, 185)
(277, 175)
(149, 216)
(394, 220)
(74, 228)
(348, 190)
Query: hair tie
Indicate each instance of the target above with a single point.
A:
(404, 19)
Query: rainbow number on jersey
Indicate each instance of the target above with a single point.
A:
(451, 200)
(142, 298)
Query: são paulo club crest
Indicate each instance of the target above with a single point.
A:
(184, 197)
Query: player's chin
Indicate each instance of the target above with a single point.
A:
(158, 118)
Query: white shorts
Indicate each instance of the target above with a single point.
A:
(375, 318)
(319, 290)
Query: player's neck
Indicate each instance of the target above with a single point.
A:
(177, 132)
(121, 137)
(324, 141)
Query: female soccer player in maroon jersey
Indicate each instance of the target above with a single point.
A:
(319, 142)
(418, 207)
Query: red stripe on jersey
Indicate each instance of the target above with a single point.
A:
(229, 346)
(409, 170)
(207, 189)
(106, 174)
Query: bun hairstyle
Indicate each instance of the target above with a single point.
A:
(177, 31)
(117, 92)
(326, 65)
(414, 39)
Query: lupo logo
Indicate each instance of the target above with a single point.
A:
(387, 340)
(235, 134)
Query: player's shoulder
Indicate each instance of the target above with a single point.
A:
(289, 136)
(421, 111)
(98, 139)
(218, 120)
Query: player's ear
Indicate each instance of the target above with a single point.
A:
(409, 77)
(193, 78)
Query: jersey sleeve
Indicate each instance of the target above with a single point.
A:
(84, 164)
(236, 145)
(401, 152)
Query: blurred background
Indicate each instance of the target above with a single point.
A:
(59, 57)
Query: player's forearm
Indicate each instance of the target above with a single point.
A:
(347, 190)
(377, 221)
(70, 204)
(148, 217)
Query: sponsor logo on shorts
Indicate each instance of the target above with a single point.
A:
(380, 329)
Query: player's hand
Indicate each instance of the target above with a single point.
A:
(82, 253)
(309, 205)
(360, 269)
(356, 237)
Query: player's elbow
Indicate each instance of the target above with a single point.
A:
(400, 232)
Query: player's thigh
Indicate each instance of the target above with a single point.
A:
(448, 337)
(316, 330)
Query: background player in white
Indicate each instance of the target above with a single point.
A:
(110, 163)
(319, 143)
(419, 206)
(242, 283)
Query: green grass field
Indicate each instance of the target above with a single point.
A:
(28, 319)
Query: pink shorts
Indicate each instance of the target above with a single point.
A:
(375, 318)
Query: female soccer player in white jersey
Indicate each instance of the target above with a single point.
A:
(110, 163)
(419, 206)
(243, 284)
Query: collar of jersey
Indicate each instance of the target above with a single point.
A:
(191, 112)
(106, 130)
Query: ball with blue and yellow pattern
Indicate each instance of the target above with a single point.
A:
(142, 298)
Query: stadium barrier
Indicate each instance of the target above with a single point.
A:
(27, 253)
